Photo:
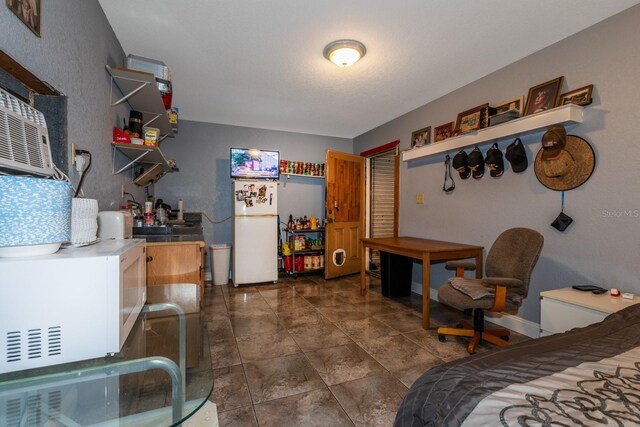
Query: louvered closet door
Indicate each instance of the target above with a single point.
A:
(382, 201)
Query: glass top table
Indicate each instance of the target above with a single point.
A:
(143, 385)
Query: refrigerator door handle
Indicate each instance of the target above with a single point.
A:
(270, 199)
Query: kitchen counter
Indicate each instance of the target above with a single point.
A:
(170, 238)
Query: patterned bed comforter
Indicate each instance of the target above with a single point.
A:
(588, 376)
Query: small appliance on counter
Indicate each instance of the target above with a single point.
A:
(71, 305)
(115, 225)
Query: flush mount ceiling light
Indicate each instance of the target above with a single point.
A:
(344, 53)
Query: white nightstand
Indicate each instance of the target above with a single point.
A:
(567, 308)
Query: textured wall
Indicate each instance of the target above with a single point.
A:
(201, 151)
(602, 245)
(76, 43)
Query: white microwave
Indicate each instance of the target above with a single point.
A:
(76, 304)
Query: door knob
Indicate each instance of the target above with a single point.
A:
(149, 258)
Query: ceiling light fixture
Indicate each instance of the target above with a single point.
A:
(344, 53)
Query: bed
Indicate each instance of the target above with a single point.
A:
(587, 377)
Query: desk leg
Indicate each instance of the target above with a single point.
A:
(363, 272)
(479, 265)
(426, 288)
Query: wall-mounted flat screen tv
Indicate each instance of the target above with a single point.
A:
(255, 164)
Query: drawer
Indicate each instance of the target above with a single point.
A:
(558, 316)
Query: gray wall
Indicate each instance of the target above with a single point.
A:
(602, 245)
(76, 44)
(201, 151)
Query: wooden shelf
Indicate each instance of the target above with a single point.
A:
(140, 90)
(303, 175)
(564, 115)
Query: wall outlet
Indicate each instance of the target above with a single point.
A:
(73, 154)
(420, 199)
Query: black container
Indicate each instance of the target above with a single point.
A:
(396, 275)
(135, 123)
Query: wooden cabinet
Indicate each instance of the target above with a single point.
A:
(175, 262)
(565, 309)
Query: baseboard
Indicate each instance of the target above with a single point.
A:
(515, 323)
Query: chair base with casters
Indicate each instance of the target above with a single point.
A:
(509, 265)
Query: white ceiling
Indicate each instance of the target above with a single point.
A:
(259, 63)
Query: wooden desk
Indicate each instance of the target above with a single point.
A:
(427, 251)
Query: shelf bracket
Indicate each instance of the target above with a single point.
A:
(130, 94)
(128, 165)
(152, 120)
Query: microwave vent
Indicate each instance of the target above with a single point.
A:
(33, 410)
(24, 139)
(32, 344)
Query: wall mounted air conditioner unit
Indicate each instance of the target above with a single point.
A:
(24, 140)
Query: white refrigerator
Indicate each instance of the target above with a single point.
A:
(255, 231)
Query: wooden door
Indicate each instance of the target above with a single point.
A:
(345, 206)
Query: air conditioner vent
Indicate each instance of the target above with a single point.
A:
(13, 410)
(24, 140)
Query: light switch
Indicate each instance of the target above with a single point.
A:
(419, 198)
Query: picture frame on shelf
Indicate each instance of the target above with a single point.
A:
(544, 96)
(581, 96)
(470, 120)
(442, 132)
(28, 11)
(510, 104)
(421, 137)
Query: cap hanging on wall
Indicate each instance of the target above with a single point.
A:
(494, 161)
(517, 156)
(460, 164)
(476, 163)
(565, 161)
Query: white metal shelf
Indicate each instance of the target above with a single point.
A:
(140, 154)
(564, 115)
(141, 91)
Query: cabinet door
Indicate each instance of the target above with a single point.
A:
(168, 264)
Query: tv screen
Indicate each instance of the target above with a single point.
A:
(255, 164)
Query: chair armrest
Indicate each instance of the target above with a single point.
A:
(503, 281)
(454, 265)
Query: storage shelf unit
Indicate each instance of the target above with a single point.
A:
(303, 252)
(140, 90)
(303, 175)
(564, 115)
(141, 154)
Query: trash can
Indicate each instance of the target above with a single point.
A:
(220, 260)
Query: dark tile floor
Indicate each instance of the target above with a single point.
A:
(313, 352)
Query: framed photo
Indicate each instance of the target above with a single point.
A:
(580, 96)
(28, 11)
(470, 120)
(421, 137)
(544, 96)
(442, 132)
(511, 104)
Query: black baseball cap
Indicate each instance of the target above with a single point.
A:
(460, 164)
(517, 156)
(494, 161)
(475, 161)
